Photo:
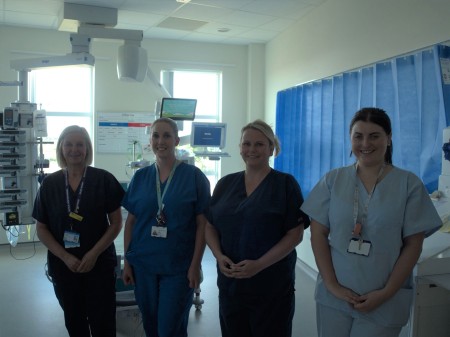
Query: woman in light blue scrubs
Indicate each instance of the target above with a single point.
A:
(368, 224)
(164, 236)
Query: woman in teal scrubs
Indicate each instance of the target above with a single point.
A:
(164, 235)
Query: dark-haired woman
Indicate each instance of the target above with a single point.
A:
(368, 224)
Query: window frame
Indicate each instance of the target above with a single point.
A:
(35, 80)
(168, 79)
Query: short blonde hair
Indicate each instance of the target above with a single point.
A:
(267, 131)
(59, 151)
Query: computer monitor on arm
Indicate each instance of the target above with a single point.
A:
(208, 135)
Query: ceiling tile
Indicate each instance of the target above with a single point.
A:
(231, 4)
(163, 33)
(259, 34)
(239, 41)
(99, 3)
(147, 19)
(181, 24)
(278, 25)
(288, 9)
(211, 28)
(297, 15)
(132, 26)
(165, 7)
(29, 6)
(281, 8)
(202, 37)
(31, 20)
(248, 20)
(245, 19)
(201, 12)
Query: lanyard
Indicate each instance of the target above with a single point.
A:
(357, 228)
(158, 186)
(77, 205)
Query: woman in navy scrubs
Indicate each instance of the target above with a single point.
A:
(255, 223)
(78, 216)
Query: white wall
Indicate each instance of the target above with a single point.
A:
(346, 34)
(236, 63)
(113, 95)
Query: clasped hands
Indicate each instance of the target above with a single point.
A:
(243, 269)
(81, 266)
(363, 303)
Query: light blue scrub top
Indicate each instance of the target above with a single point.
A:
(399, 207)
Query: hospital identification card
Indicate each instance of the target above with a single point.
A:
(360, 247)
(71, 239)
(159, 231)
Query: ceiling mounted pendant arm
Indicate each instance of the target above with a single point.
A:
(128, 35)
(79, 56)
(131, 58)
(151, 76)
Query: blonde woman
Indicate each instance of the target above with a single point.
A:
(164, 236)
(78, 216)
(255, 223)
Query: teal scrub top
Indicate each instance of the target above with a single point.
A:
(187, 196)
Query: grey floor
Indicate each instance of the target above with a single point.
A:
(28, 307)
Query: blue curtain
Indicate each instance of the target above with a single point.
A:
(312, 119)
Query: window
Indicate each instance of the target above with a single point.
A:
(66, 94)
(206, 87)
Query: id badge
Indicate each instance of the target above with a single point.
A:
(359, 247)
(159, 232)
(71, 239)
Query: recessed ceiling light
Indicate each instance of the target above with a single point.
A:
(184, 1)
(223, 30)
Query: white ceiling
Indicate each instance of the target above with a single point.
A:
(247, 21)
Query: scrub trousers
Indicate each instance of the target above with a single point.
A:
(88, 301)
(164, 302)
(336, 323)
(265, 315)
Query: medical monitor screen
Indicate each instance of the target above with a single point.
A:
(208, 135)
(182, 109)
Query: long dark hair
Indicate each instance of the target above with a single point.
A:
(379, 117)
